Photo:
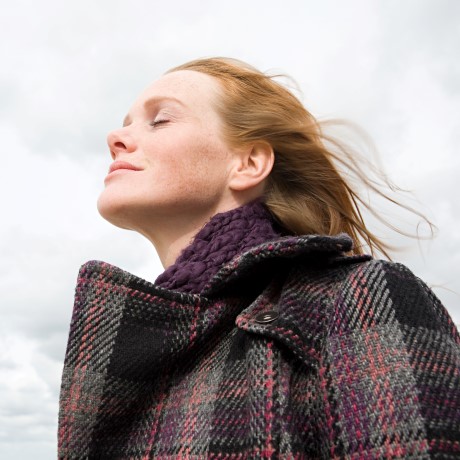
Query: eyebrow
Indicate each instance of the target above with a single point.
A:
(155, 100)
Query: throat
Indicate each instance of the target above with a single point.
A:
(224, 237)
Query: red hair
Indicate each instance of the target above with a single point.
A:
(305, 190)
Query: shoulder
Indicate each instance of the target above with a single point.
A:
(388, 339)
(393, 291)
(362, 293)
(320, 305)
(375, 339)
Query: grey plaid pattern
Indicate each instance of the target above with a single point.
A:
(362, 361)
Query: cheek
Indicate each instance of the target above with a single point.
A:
(200, 165)
(209, 169)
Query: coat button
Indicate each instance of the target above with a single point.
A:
(266, 317)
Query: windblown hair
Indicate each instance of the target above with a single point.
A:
(310, 189)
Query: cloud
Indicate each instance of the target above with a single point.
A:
(28, 389)
(69, 75)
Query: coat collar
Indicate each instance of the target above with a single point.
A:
(308, 248)
(259, 262)
(250, 285)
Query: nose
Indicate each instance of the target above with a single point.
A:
(120, 141)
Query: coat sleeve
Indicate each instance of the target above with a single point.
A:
(433, 346)
(394, 358)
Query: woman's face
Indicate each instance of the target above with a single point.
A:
(169, 158)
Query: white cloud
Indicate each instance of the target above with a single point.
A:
(28, 388)
(70, 73)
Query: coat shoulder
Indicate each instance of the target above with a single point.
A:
(350, 296)
(381, 292)
(387, 338)
(378, 341)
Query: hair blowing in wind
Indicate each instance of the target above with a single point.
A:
(317, 183)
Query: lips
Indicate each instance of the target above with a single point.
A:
(116, 165)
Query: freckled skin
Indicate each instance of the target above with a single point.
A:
(186, 165)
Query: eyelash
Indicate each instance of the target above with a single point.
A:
(157, 122)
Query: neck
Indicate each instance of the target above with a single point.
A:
(170, 244)
(226, 235)
(170, 234)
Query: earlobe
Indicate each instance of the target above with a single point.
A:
(254, 164)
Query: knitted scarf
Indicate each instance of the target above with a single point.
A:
(225, 236)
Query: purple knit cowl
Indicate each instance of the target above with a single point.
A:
(225, 236)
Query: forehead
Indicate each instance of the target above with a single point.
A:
(192, 89)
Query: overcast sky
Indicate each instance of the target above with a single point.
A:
(70, 71)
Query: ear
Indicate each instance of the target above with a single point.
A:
(253, 164)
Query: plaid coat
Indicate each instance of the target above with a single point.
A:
(293, 351)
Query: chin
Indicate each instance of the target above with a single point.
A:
(114, 210)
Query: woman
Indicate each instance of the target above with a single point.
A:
(270, 334)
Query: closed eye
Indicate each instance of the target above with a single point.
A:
(158, 122)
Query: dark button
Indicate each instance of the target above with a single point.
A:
(266, 317)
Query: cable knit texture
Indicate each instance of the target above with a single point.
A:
(225, 236)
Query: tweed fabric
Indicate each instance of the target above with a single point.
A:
(363, 362)
(225, 236)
